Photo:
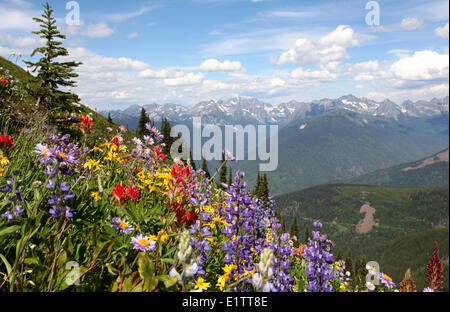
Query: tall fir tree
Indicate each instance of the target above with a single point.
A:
(192, 161)
(294, 227)
(167, 140)
(230, 176)
(265, 188)
(257, 190)
(223, 171)
(339, 255)
(349, 263)
(205, 168)
(110, 121)
(51, 71)
(307, 234)
(143, 120)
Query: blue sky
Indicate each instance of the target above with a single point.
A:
(186, 51)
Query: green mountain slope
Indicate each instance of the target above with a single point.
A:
(339, 145)
(365, 219)
(432, 171)
(413, 251)
(26, 79)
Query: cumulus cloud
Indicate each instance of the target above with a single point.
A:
(154, 74)
(423, 65)
(16, 19)
(411, 23)
(332, 47)
(24, 44)
(185, 80)
(95, 63)
(320, 75)
(408, 23)
(100, 30)
(442, 31)
(213, 65)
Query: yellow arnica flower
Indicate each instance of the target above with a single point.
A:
(92, 164)
(228, 268)
(1, 172)
(201, 284)
(342, 286)
(95, 195)
(163, 236)
(221, 282)
(249, 272)
(96, 149)
(4, 161)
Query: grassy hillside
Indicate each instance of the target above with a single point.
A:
(340, 145)
(398, 212)
(28, 110)
(413, 251)
(414, 174)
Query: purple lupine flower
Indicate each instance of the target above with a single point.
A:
(319, 262)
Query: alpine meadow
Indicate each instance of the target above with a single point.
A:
(224, 146)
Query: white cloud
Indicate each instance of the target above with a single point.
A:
(186, 80)
(408, 23)
(423, 65)
(16, 19)
(400, 52)
(94, 63)
(411, 23)
(319, 75)
(154, 74)
(133, 35)
(277, 82)
(100, 30)
(25, 44)
(213, 65)
(121, 17)
(330, 48)
(442, 31)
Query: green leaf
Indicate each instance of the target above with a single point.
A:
(8, 266)
(168, 281)
(146, 267)
(10, 229)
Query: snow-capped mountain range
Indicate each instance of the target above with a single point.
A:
(246, 110)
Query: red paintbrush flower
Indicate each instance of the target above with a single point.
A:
(4, 82)
(6, 142)
(119, 193)
(86, 123)
(132, 192)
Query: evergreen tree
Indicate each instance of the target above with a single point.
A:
(339, 255)
(223, 171)
(349, 264)
(256, 191)
(192, 161)
(51, 71)
(110, 121)
(265, 188)
(143, 120)
(205, 167)
(294, 227)
(167, 140)
(307, 234)
(230, 176)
